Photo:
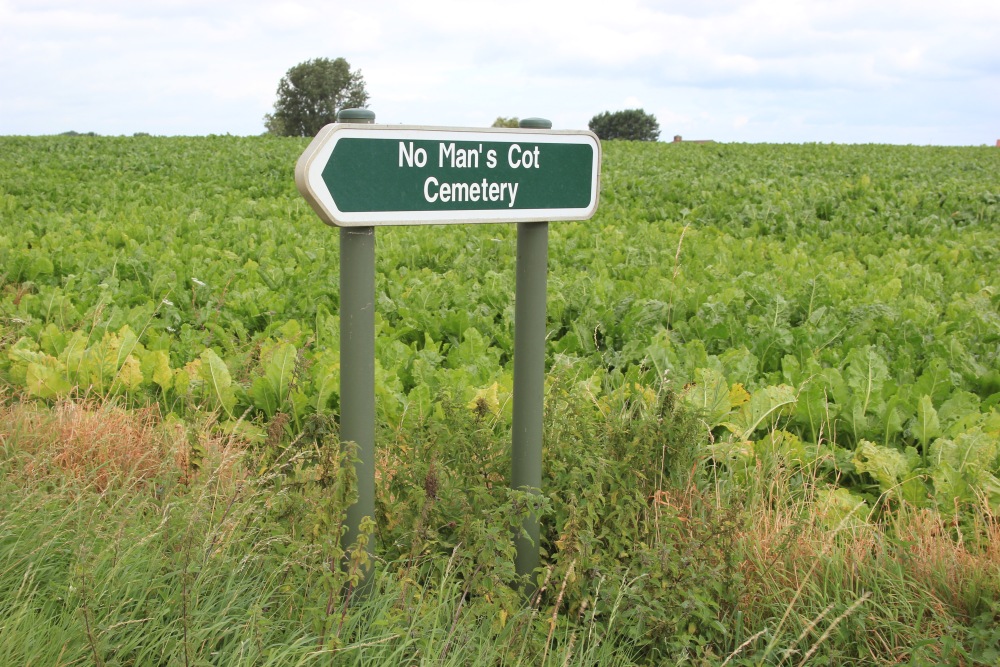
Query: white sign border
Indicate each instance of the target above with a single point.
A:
(310, 166)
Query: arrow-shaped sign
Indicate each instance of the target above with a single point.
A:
(357, 175)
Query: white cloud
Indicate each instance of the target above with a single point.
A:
(845, 70)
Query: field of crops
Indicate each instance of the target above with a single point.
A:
(847, 296)
(826, 315)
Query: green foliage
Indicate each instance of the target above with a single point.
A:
(833, 293)
(818, 316)
(207, 285)
(646, 561)
(501, 121)
(630, 125)
(310, 95)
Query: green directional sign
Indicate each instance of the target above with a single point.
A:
(366, 175)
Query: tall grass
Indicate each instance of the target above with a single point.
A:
(825, 586)
(125, 539)
(107, 563)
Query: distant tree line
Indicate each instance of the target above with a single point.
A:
(631, 125)
(312, 92)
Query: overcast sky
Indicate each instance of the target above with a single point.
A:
(850, 71)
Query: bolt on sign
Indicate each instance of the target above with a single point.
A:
(372, 175)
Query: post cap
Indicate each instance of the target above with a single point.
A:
(535, 124)
(355, 116)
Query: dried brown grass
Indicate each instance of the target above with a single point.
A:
(917, 572)
(937, 556)
(85, 441)
(100, 444)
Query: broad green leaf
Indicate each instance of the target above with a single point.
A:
(840, 509)
(156, 365)
(886, 465)
(836, 387)
(950, 487)
(326, 383)
(475, 354)
(25, 351)
(962, 468)
(214, 373)
(661, 353)
(327, 328)
(47, 379)
(894, 417)
(280, 370)
(72, 355)
(788, 446)
(959, 413)
(389, 394)
(185, 377)
(866, 373)
(925, 426)
(709, 395)
(127, 342)
(52, 340)
(740, 365)
(270, 392)
(791, 370)
(765, 407)
(970, 452)
(264, 397)
(936, 380)
(290, 332)
(297, 403)
(40, 265)
(813, 408)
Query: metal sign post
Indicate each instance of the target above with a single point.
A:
(531, 282)
(357, 175)
(357, 358)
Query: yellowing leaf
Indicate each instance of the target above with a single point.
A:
(738, 395)
(486, 400)
(129, 375)
(186, 380)
(157, 364)
(647, 393)
(47, 379)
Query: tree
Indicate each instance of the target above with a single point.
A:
(631, 124)
(506, 122)
(310, 95)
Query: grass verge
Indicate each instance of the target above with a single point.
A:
(125, 539)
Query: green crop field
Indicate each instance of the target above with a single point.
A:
(772, 414)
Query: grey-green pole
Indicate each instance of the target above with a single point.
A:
(357, 357)
(529, 373)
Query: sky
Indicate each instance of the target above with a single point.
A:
(841, 71)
